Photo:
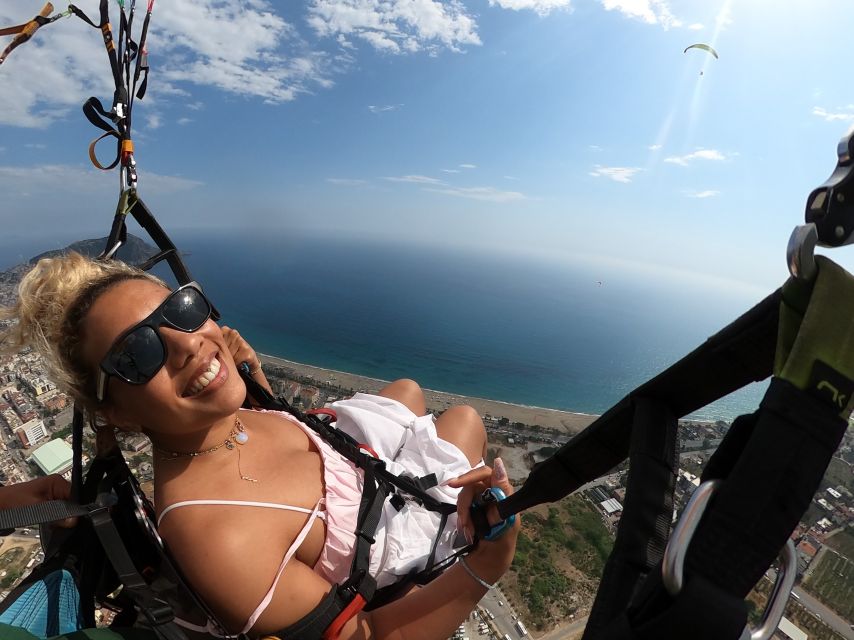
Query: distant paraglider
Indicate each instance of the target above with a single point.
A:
(703, 47)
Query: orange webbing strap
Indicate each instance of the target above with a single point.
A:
(94, 158)
(25, 31)
(334, 629)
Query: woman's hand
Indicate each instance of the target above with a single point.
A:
(242, 352)
(52, 487)
(499, 552)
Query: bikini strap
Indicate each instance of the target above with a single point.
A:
(238, 503)
(291, 551)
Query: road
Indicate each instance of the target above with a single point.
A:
(822, 612)
(828, 616)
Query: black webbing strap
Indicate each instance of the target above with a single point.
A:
(41, 513)
(374, 494)
(344, 444)
(647, 512)
(768, 488)
(699, 612)
(145, 219)
(158, 613)
(77, 454)
(741, 353)
(771, 466)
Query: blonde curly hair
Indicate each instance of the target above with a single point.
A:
(53, 298)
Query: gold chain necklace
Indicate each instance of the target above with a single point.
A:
(236, 437)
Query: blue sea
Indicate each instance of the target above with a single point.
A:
(490, 324)
(485, 324)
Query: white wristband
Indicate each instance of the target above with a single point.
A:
(480, 581)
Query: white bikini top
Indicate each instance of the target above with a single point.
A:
(265, 602)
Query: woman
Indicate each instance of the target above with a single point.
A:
(254, 507)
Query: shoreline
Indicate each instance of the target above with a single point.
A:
(567, 422)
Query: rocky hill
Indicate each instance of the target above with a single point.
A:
(134, 251)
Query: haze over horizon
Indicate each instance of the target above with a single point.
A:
(567, 130)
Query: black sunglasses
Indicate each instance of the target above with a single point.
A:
(140, 352)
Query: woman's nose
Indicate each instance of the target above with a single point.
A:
(181, 346)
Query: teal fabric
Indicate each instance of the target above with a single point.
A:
(49, 607)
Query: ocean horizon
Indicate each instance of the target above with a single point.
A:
(489, 324)
(486, 324)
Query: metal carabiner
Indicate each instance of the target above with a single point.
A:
(674, 560)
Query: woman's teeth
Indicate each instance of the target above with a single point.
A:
(205, 379)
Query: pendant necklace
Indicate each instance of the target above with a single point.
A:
(236, 438)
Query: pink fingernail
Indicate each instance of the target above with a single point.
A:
(498, 470)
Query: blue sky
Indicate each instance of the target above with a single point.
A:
(571, 130)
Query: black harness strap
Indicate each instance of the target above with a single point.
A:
(771, 465)
(647, 512)
(13, 517)
(359, 590)
(768, 488)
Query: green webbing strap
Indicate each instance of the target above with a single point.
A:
(815, 342)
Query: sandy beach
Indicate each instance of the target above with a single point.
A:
(566, 421)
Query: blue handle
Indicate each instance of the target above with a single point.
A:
(492, 494)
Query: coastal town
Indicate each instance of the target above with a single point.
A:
(546, 594)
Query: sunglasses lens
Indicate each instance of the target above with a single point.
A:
(187, 309)
(138, 356)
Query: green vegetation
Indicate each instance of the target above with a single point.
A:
(12, 562)
(839, 473)
(62, 433)
(832, 582)
(843, 542)
(549, 551)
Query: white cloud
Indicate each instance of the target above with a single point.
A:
(183, 121)
(696, 27)
(594, 147)
(510, 178)
(541, 7)
(654, 147)
(380, 109)
(346, 182)
(153, 120)
(724, 18)
(649, 11)
(709, 193)
(395, 26)
(35, 145)
(488, 194)
(700, 154)
(451, 170)
(845, 116)
(241, 47)
(468, 166)
(39, 86)
(617, 174)
(415, 179)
